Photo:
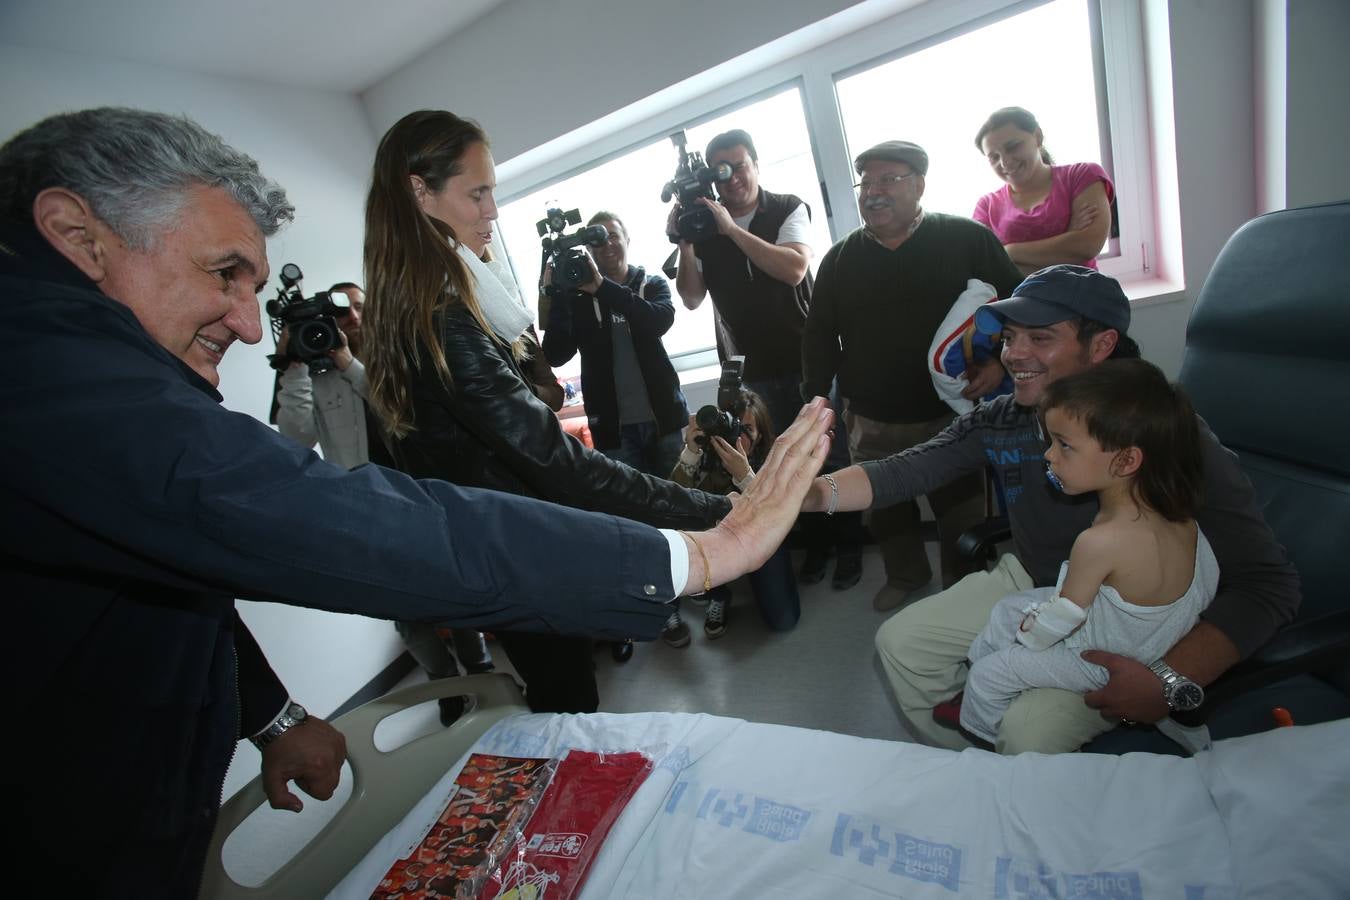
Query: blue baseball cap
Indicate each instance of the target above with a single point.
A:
(1057, 294)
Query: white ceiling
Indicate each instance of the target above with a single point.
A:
(340, 45)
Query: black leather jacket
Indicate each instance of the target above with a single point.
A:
(489, 430)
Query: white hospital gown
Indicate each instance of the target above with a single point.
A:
(1001, 668)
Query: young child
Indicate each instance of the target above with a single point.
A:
(1138, 578)
(774, 585)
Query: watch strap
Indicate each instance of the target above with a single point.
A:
(290, 717)
(1171, 680)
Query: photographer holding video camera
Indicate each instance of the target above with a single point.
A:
(756, 265)
(615, 319)
(322, 391)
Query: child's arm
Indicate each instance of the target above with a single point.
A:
(1090, 562)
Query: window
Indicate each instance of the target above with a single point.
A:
(629, 186)
(931, 73)
(939, 96)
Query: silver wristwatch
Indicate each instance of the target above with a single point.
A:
(1181, 694)
(290, 717)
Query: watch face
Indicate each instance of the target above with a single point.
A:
(1186, 695)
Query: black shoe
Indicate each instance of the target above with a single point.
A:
(676, 633)
(451, 709)
(813, 567)
(622, 651)
(847, 570)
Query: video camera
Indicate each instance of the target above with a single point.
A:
(313, 328)
(724, 419)
(693, 179)
(571, 267)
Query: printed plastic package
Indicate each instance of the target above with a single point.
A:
(492, 799)
(518, 828)
(584, 799)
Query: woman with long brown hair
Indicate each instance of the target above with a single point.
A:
(447, 346)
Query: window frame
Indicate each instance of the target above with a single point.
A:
(815, 58)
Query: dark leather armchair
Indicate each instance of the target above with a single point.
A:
(1267, 364)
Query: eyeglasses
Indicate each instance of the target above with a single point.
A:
(883, 183)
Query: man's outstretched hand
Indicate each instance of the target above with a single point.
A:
(761, 518)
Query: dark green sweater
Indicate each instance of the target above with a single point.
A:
(875, 311)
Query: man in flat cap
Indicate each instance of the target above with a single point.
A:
(881, 294)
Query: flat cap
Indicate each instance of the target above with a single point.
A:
(894, 151)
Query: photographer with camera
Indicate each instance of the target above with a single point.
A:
(756, 266)
(723, 447)
(329, 407)
(634, 405)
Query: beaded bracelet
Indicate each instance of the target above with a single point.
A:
(834, 494)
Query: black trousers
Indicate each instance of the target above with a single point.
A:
(559, 672)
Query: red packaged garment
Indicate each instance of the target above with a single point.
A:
(556, 848)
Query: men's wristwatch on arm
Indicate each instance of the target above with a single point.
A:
(290, 717)
(1181, 694)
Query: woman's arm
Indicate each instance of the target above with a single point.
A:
(490, 401)
(855, 492)
(1089, 225)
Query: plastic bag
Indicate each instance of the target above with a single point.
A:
(494, 796)
(555, 849)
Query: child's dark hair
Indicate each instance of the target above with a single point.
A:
(1129, 403)
(754, 405)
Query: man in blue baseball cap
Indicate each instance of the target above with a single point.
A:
(1059, 321)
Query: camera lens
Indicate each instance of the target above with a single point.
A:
(710, 420)
(315, 338)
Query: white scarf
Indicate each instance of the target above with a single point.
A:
(498, 295)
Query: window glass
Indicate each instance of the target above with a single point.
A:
(938, 97)
(630, 187)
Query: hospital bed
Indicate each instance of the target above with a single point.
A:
(738, 809)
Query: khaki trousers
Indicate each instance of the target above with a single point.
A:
(957, 506)
(923, 650)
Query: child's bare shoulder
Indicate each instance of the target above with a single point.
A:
(1103, 538)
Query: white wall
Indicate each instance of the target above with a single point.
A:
(532, 70)
(318, 145)
(1318, 112)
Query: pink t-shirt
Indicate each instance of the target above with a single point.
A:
(1051, 217)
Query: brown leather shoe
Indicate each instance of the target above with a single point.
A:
(889, 597)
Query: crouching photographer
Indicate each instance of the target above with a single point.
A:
(615, 317)
(723, 447)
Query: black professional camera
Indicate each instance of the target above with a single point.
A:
(724, 419)
(571, 266)
(312, 323)
(693, 179)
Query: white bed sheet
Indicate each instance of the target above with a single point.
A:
(736, 809)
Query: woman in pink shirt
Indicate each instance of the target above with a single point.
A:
(1044, 214)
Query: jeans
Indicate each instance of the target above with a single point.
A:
(642, 448)
(775, 590)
